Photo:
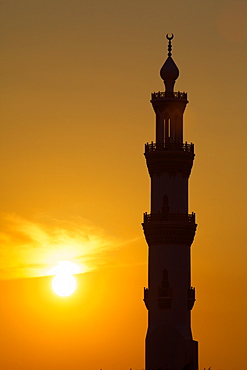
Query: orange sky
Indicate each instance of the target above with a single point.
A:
(76, 78)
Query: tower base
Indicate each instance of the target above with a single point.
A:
(168, 349)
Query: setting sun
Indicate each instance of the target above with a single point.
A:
(64, 283)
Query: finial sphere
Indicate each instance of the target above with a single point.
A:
(169, 37)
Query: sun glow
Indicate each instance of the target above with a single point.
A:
(64, 283)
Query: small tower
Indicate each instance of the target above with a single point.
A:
(169, 231)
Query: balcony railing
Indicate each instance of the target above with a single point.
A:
(169, 95)
(185, 147)
(172, 217)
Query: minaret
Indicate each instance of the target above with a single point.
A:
(169, 231)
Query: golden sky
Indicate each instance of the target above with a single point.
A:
(76, 78)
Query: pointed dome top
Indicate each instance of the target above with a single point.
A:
(169, 71)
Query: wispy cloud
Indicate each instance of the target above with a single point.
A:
(30, 248)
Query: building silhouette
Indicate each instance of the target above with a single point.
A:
(169, 231)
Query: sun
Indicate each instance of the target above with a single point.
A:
(64, 283)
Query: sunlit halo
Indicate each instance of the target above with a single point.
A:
(64, 283)
(64, 267)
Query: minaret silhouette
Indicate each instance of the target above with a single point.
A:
(169, 231)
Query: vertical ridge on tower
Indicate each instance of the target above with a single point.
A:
(169, 231)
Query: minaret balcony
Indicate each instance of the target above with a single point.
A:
(170, 217)
(169, 95)
(184, 147)
(169, 228)
(169, 157)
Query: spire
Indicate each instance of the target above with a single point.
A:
(169, 38)
(169, 71)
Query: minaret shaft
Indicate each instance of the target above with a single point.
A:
(169, 192)
(169, 232)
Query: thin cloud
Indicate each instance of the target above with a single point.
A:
(29, 248)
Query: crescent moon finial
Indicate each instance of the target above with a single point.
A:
(169, 38)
